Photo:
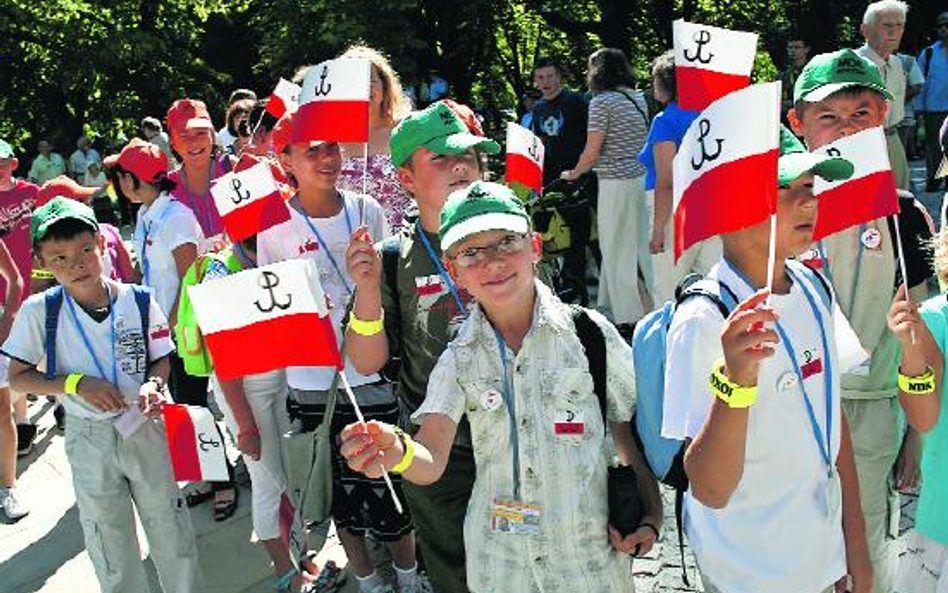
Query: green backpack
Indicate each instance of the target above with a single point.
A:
(190, 340)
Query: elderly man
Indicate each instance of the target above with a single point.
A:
(47, 164)
(882, 28)
(79, 160)
(933, 102)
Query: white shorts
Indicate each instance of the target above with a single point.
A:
(924, 567)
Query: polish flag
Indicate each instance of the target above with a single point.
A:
(524, 157)
(725, 172)
(334, 102)
(194, 444)
(428, 285)
(249, 201)
(285, 98)
(867, 195)
(710, 62)
(265, 319)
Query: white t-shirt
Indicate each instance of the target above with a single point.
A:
(28, 338)
(167, 224)
(781, 531)
(293, 239)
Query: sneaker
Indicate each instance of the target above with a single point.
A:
(12, 505)
(25, 435)
(59, 413)
(421, 585)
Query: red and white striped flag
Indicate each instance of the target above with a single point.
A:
(249, 201)
(867, 195)
(334, 102)
(265, 319)
(428, 285)
(725, 172)
(285, 98)
(194, 444)
(524, 157)
(710, 62)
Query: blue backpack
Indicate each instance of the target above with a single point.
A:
(53, 298)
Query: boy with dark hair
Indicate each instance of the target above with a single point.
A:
(111, 371)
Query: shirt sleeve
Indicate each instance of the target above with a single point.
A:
(181, 228)
(620, 372)
(444, 395)
(26, 341)
(915, 76)
(159, 333)
(598, 115)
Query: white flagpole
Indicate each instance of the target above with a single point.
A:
(361, 418)
(365, 177)
(771, 256)
(898, 240)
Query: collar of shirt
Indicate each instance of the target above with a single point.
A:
(876, 58)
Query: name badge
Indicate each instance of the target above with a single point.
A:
(568, 422)
(511, 516)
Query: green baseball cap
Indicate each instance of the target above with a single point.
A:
(57, 209)
(6, 151)
(796, 161)
(439, 129)
(828, 73)
(481, 206)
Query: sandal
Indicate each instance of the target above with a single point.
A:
(224, 509)
(330, 578)
(196, 497)
(284, 582)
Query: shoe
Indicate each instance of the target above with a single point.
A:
(25, 435)
(330, 578)
(224, 509)
(12, 505)
(59, 414)
(421, 585)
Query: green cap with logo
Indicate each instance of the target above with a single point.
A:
(482, 206)
(57, 209)
(828, 73)
(438, 129)
(796, 161)
(6, 151)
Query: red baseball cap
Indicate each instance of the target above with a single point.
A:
(467, 116)
(144, 159)
(186, 114)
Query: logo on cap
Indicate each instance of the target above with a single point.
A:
(447, 117)
(849, 65)
(477, 192)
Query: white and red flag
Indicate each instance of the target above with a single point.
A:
(265, 319)
(194, 444)
(710, 62)
(869, 194)
(285, 98)
(249, 201)
(334, 102)
(524, 157)
(725, 172)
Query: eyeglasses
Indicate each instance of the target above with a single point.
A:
(478, 256)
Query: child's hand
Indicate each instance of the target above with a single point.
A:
(362, 261)
(745, 339)
(101, 394)
(371, 447)
(638, 543)
(150, 398)
(905, 322)
(248, 443)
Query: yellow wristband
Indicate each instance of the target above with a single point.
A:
(366, 328)
(38, 274)
(71, 384)
(920, 385)
(409, 455)
(731, 393)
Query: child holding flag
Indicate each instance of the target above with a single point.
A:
(771, 475)
(322, 221)
(420, 309)
(111, 372)
(517, 370)
(839, 94)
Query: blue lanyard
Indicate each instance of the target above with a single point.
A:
(824, 447)
(511, 413)
(322, 244)
(85, 338)
(441, 271)
(146, 266)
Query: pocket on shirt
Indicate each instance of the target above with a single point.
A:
(486, 411)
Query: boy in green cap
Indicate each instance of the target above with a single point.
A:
(517, 370)
(110, 370)
(836, 95)
(407, 307)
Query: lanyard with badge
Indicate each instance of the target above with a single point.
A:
(511, 515)
(834, 494)
(319, 238)
(85, 338)
(440, 267)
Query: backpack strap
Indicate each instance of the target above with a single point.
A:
(818, 280)
(717, 292)
(53, 299)
(928, 59)
(391, 249)
(594, 344)
(648, 120)
(143, 301)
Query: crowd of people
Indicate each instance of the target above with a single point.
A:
(501, 414)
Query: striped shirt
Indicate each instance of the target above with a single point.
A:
(625, 127)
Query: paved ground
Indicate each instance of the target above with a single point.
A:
(44, 552)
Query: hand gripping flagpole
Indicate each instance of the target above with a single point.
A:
(361, 418)
(898, 240)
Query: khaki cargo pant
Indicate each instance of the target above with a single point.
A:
(109, 473)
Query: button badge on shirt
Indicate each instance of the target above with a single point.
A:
(491, 399)
(871, 238)
(787, 381)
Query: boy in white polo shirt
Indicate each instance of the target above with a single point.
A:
(773, 503)
(111, 372)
